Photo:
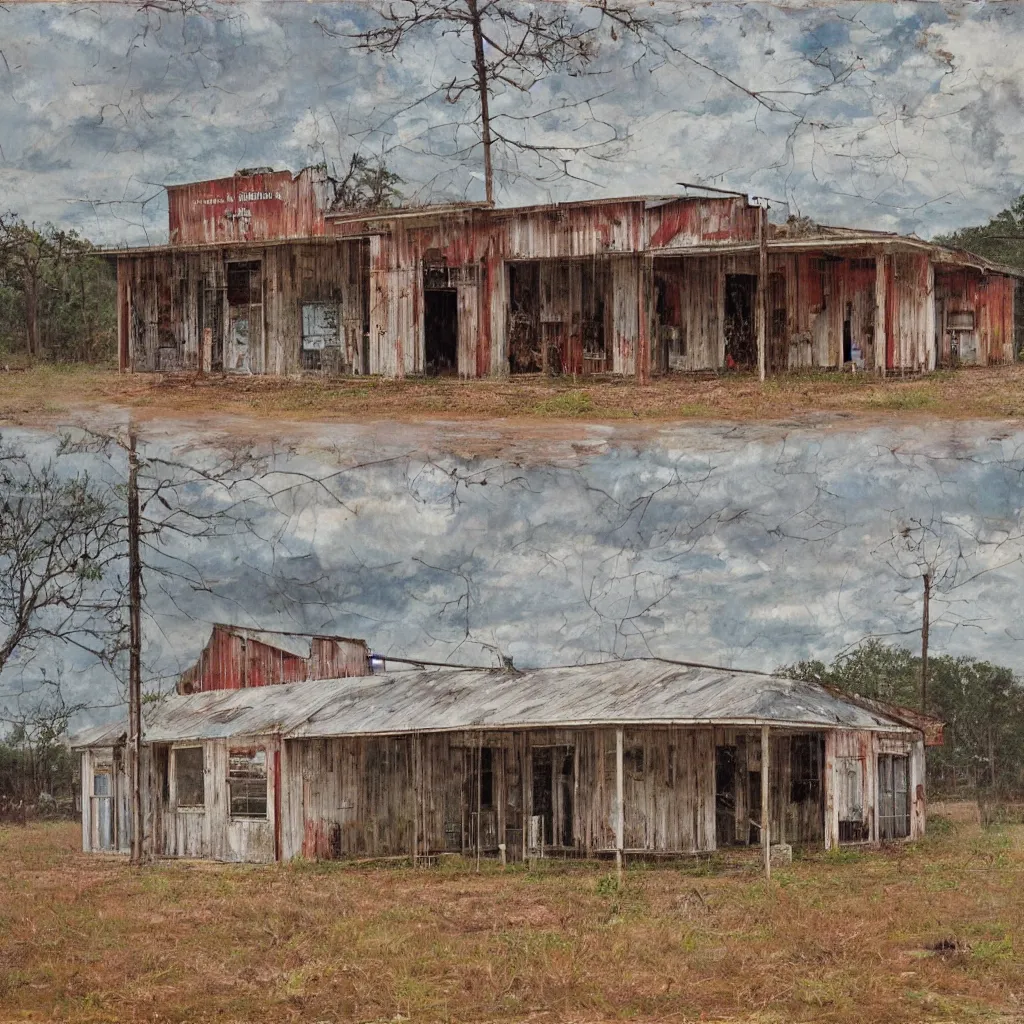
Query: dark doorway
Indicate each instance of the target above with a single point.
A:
(243, 349)
(740, 340)
(441, 331)
(777, 357)
(725, 796)
(553, 785)
(754, 802)
(848, 334)
(524, 317)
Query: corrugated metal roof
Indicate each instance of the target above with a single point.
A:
(98, 736)
(253, 711)
(618, 693)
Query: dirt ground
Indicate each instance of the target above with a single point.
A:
(930, 932)
(45, 394)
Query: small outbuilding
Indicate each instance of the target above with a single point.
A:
(642, 757)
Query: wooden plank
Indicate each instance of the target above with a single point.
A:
(766, 820)
(620, 815)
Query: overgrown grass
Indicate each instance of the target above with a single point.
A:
(47, 392)
(834, 938)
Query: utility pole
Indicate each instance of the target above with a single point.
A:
(134, 648)
(924, 641)
(483, 88)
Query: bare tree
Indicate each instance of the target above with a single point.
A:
(942, 554)
(58, 542)
(509, 47)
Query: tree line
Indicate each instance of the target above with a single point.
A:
(981, 704)
(58, 296)
(1000, 240)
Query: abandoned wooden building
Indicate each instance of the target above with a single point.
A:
(263, 274)
(630, 758)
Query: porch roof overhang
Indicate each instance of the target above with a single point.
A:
(179, 248)
(875, 242)
(638, 693)
(109, 735)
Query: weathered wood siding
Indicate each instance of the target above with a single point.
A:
(393, 796)
(811, 297)
(176, 308)
(414, 795)
(244, 207)
(855, 755)
(209, 832)
(991, 301)
(111, 811)
(479, 244)
(910, 312)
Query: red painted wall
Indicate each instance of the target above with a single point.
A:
(254, 207)
(233, 662)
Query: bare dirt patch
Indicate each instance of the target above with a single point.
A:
(45, 394)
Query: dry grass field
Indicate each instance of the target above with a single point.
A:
(930, 932)
(46, 393)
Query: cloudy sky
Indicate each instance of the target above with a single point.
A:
(751, 546)
(897, 116)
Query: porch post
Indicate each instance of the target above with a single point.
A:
(479, 791)
(766, 823)
(880, 306)
(644, 285)
(620, 817)
(415, 797)
(124, 354)
(831, 812)
(761, 315)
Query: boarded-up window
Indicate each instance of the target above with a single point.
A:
(633, 762)
(188, 777)
(245, 287)
(247, 780)
(804, 769)
(320, 326)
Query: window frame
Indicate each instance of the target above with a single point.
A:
(253, 754)
(178, 804)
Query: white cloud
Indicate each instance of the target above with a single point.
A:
(919, 133)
